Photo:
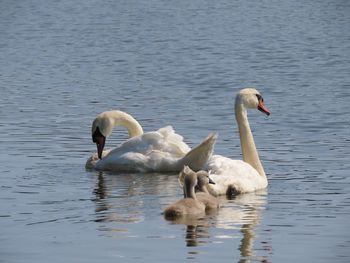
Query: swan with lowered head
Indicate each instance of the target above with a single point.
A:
(189, 205)
(240, 176)
(158, 151)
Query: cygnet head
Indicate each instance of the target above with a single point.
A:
(190, 182)
(190, 177)
(250, 98)
(203, 180)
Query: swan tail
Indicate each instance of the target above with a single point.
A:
(197, 158)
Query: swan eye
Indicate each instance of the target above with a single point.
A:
(260, 98)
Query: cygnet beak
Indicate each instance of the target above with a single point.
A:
(211, 181)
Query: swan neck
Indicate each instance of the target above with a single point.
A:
(123, 119)
(203, 189)
(249, 151)
(189, 190)
(190, 193)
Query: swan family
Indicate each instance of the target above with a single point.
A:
(165, 151)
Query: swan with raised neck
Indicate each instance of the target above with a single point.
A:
(245, 99)
(240, 176)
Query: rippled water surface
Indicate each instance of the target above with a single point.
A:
(180, 63)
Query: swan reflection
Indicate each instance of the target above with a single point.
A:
(197, 235)
(122, 197)
(243, 213)
(108, 208)
(197, 231)
(129, 198)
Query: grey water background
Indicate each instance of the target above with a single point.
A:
(180, 63)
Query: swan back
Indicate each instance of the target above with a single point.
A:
(184, 207)
(233, 177)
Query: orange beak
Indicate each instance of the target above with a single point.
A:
(262, 107)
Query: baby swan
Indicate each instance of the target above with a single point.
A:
(189, 205)
(202, 194)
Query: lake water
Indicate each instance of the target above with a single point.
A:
(180, 63)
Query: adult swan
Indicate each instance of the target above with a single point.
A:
(158, 151)
(237, 176)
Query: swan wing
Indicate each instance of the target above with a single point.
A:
(167, 140)
(164, 140)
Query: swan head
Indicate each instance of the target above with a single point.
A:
(189, 176)
(203, 180)
(104, 123)
(250, 98)
(190, 181)
(100, 130)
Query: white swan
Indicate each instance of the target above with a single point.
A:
(237, 176)
(158, 151)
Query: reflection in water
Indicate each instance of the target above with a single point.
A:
(122, 198)
(249, 217)
(100, 192)
(244, 212)
(246, 246)
(125, 211)
(197, 235)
